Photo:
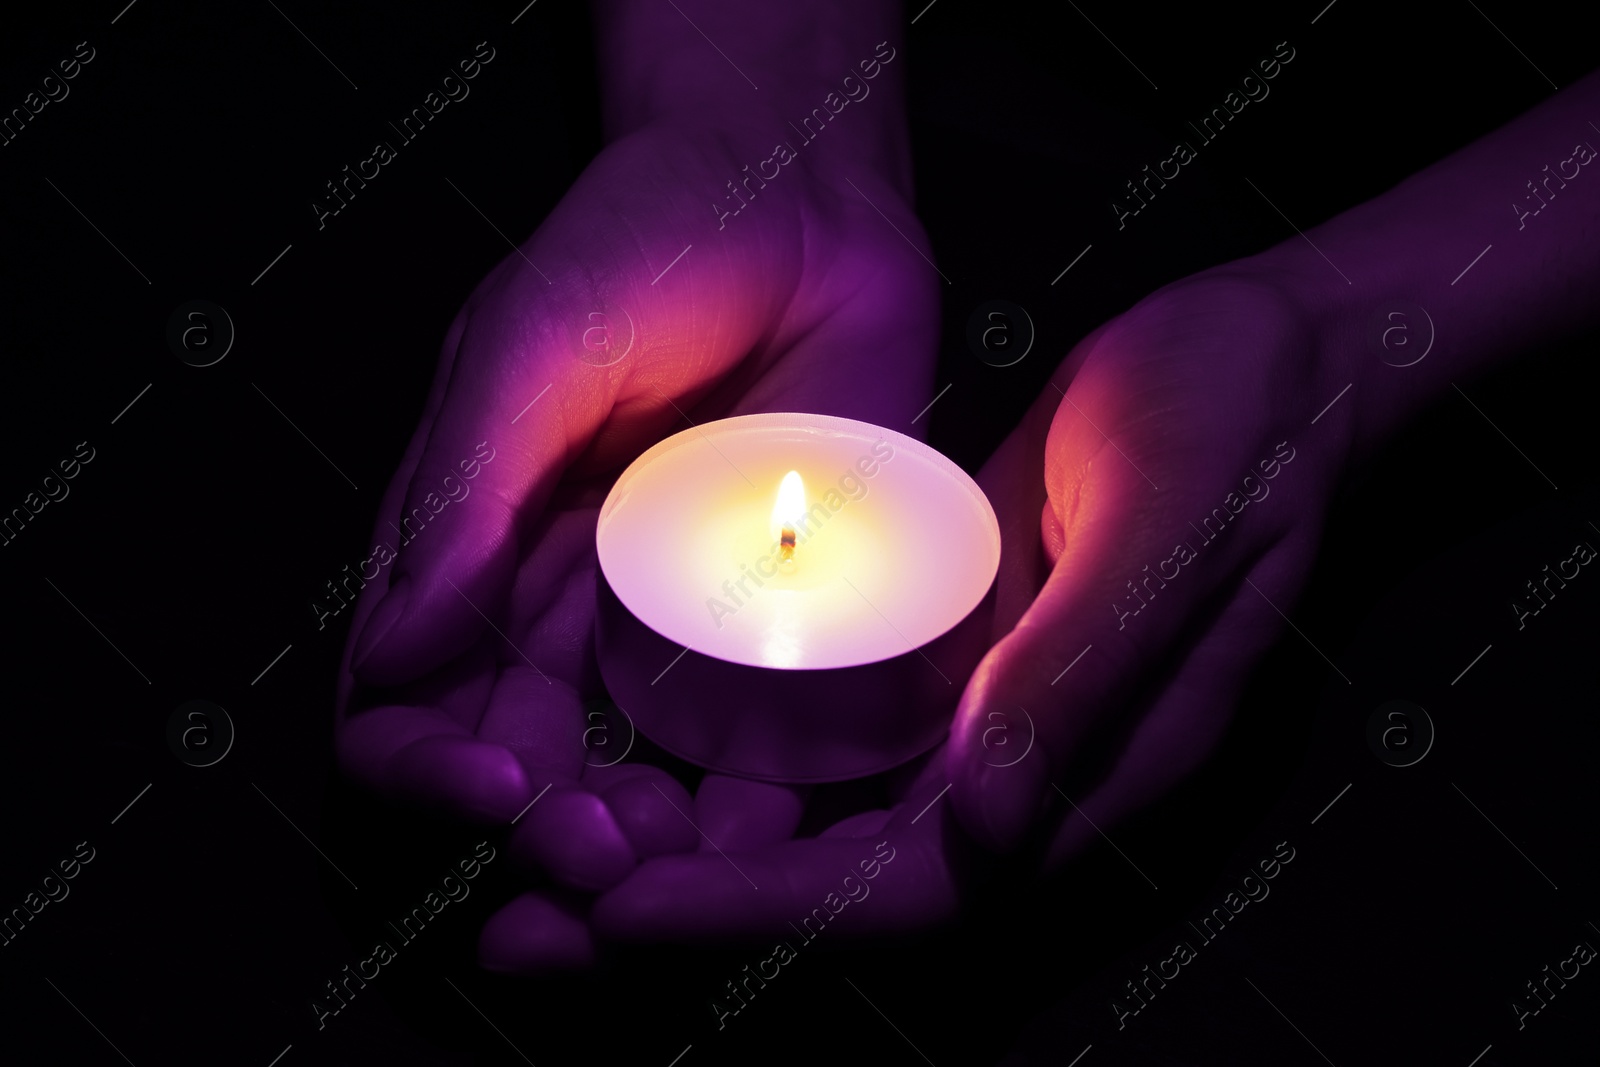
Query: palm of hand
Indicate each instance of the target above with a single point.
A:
(471, 695)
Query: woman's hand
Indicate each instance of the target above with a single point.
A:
(466, 676)
(1185, 491)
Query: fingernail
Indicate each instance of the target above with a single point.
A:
(382, 620)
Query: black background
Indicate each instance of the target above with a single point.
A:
(195, 540)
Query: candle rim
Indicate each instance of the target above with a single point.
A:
(833, 426)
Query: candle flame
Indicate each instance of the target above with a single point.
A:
(788, 513)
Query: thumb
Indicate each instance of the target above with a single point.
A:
(1102, 624)
(546, 370)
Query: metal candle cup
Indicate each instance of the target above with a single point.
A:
(815, 663)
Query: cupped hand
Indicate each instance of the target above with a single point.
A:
(634, 311)
(1185, 489)
(1175, 446)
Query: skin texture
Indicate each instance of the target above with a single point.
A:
(1080, 521)
(1197, 386)
(465, 678)
(464, 683)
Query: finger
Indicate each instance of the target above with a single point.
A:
(461, 689)
(374, 588)
(572, 835)
(907, 877)
(551, 627)
(1183, 725)
(1102, 618)
(1013, 480)
(649, 808)
(389, 747)
(540, 720)
(421, 755)
(598, 777)
(537, 934)
(738, 813)
(537, 719)
(537, 708)
(862, 824)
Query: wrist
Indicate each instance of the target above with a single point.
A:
(784, 79)
(1455, 269)
(1371, 335)
(1298, 335)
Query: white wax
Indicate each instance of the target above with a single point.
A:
(890, 559)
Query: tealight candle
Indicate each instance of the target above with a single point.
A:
(776, 590)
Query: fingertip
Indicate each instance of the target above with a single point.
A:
(652, 811)
(741, 813)
(997, 802)
(539, 719)
(535, 935)
(436, 608)
(365, 741)
(478, 781)
(572, 835)
(997, 762)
